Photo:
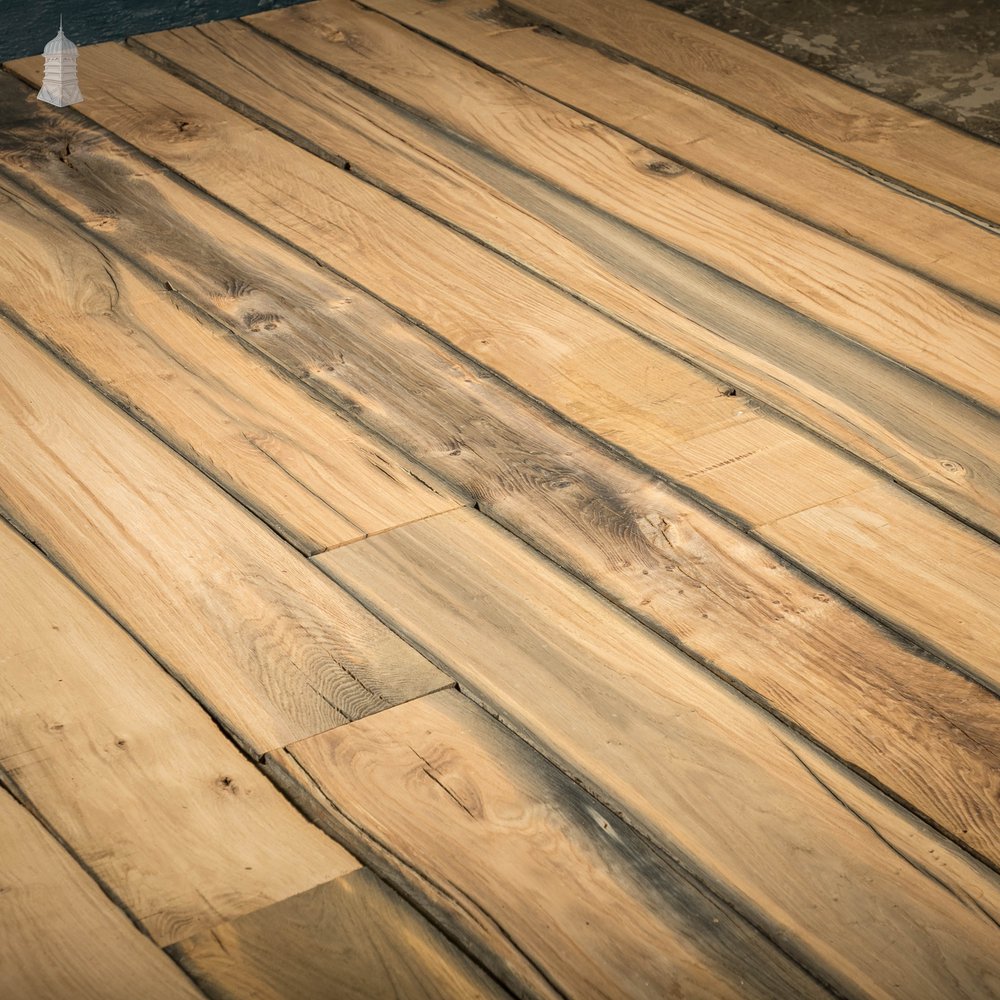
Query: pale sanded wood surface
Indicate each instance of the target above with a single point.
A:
(260, 637)
(62, 937)
(881, 306)
(315, 478)
(132, 775)
(550, 888)
(644, 446)
(628, 715)
(353, 939)
(898, 142)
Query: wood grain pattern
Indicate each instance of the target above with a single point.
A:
(808, 849)
(862, 297)
(713, 138)
(555, 893)
(949, 576)
(576, 502)
(350, 939)
(776, 356)
(270, 647)
(131, 773)
(62, 937)
(902, 144)
(306, 471)
(731, 453)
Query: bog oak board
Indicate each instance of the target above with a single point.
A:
(63, 939)
(310, 474)
(554, 894)
(269, 646)
(896, 141)
(856, 294)
(133, 776)
(350, 939)
(824, 864)
(715, 139)
(723, 448)
(836, 388)
(577, 502)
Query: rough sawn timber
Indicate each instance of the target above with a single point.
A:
(612, 525)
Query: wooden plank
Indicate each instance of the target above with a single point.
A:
(133, 776)
(725, 449)
(550, 890)
(702, 133)
(353, 938)
(310, 474)
(949, 575)
(919, 151)
(252, 630)
(844, 392)
(62, 937)
(872, 900)
(575, 501)
(864, 298)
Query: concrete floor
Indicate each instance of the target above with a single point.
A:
(939, 56)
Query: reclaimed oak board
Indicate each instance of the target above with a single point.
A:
(379, 140)
(132, 775)
(62, 937)
(352, 939)
(836, 388)
(897, 142)
(578, 503)
(855, 294)
(311, 475)
(713, 137)
(551, 891)
(272, 648)
(747, 464)
(815, 859)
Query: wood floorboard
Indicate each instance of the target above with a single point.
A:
(900, 143)
(673, 418)
(270, 647)
(777, 357)
(353, 939)
(133, 776)
(553, 890)
(859, 296)
(715, 139)
(62, 937)
(802, 653)
(311, 475)
(642, 434)
(716, 463)
(632, 718)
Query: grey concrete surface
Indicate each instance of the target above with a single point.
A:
(939, 56)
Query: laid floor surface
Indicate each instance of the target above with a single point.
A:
(497, 501)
